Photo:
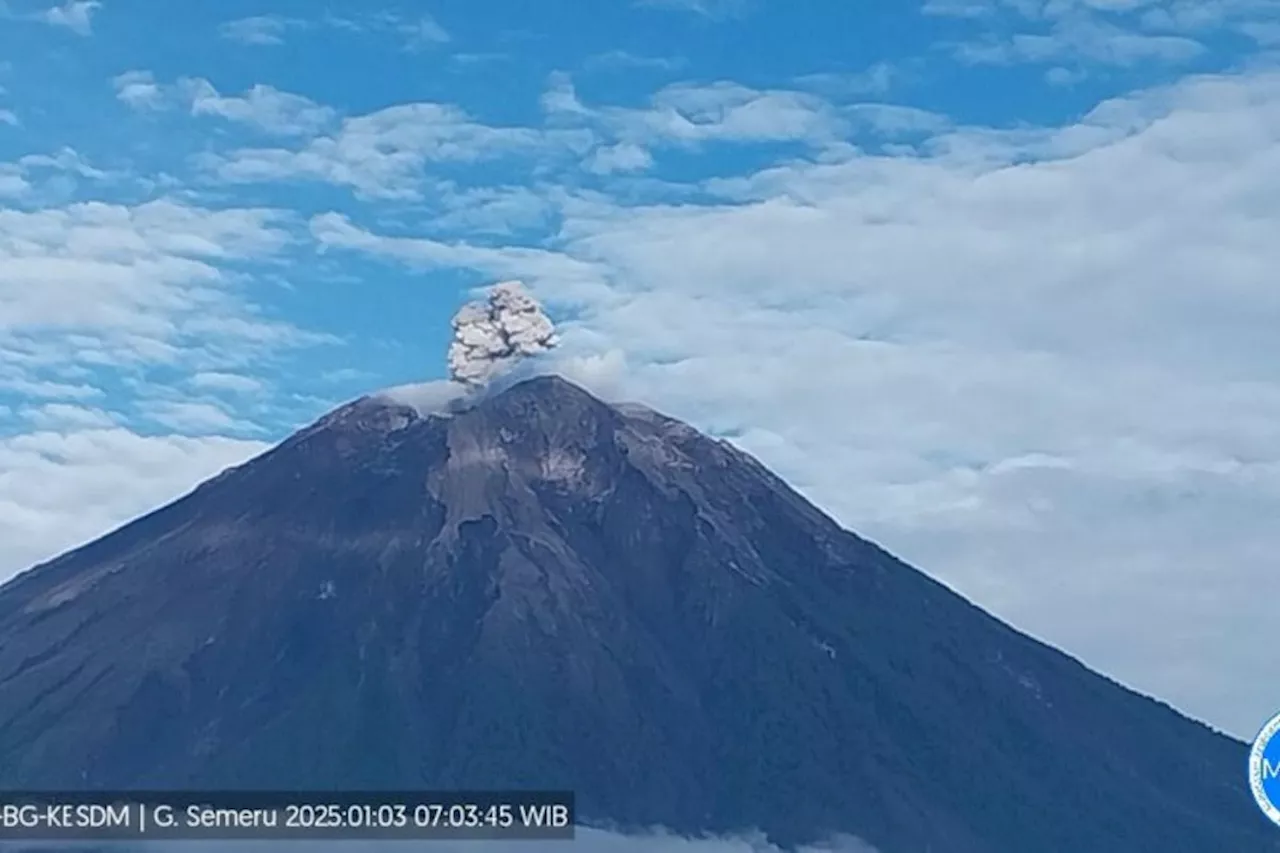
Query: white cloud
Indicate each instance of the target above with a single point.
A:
(878, 79)
(623, 59)
(1038, 363)
(1059, 76)
(44, 389)
(1106, 32)
(75, 15)
(731, 112)
(235, 383)
(13, 183)
(712, 9)
(424, 32)
(415, 34)
(194, 417)
(258, 30)
(263, 107)
(960, 8)
(138, 89)
(569, 278)
(484, 210)
(68, 416)
(96, 295)
(63, 160)
(1090, 41)
(10, 118)
(383, 154)
(61, 489)
(696, 114)
(129, 269)
(623, 157)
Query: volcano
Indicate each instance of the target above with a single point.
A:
(542, 590)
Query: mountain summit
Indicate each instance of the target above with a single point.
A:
(543, 590)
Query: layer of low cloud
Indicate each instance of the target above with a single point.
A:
(65, 485)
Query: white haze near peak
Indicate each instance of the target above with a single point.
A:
(492, 335)
(426, 398)
(586, 841)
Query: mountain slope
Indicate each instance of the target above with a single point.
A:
(547, 591)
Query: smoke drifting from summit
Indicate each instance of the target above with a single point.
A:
(490, 336)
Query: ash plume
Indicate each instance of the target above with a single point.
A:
(491, 335)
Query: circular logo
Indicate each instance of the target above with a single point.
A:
(1264, 769)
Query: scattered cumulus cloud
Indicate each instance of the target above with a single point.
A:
(138, 89)
(1088, 41)
(623, 157)
(423, 32)
(878, 79)
(626, 60)
(415, 33)
(712, 9)
(492, 210)
(259, 30)
(692, 115)
(263, 107)
(36, 177)
(75, 15)
(383, 154)
(1115, 33)
(549, 272)
(94, 291)
(66, 160)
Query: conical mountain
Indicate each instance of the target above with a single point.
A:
(546, 591)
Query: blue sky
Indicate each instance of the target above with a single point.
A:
(992, 281)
